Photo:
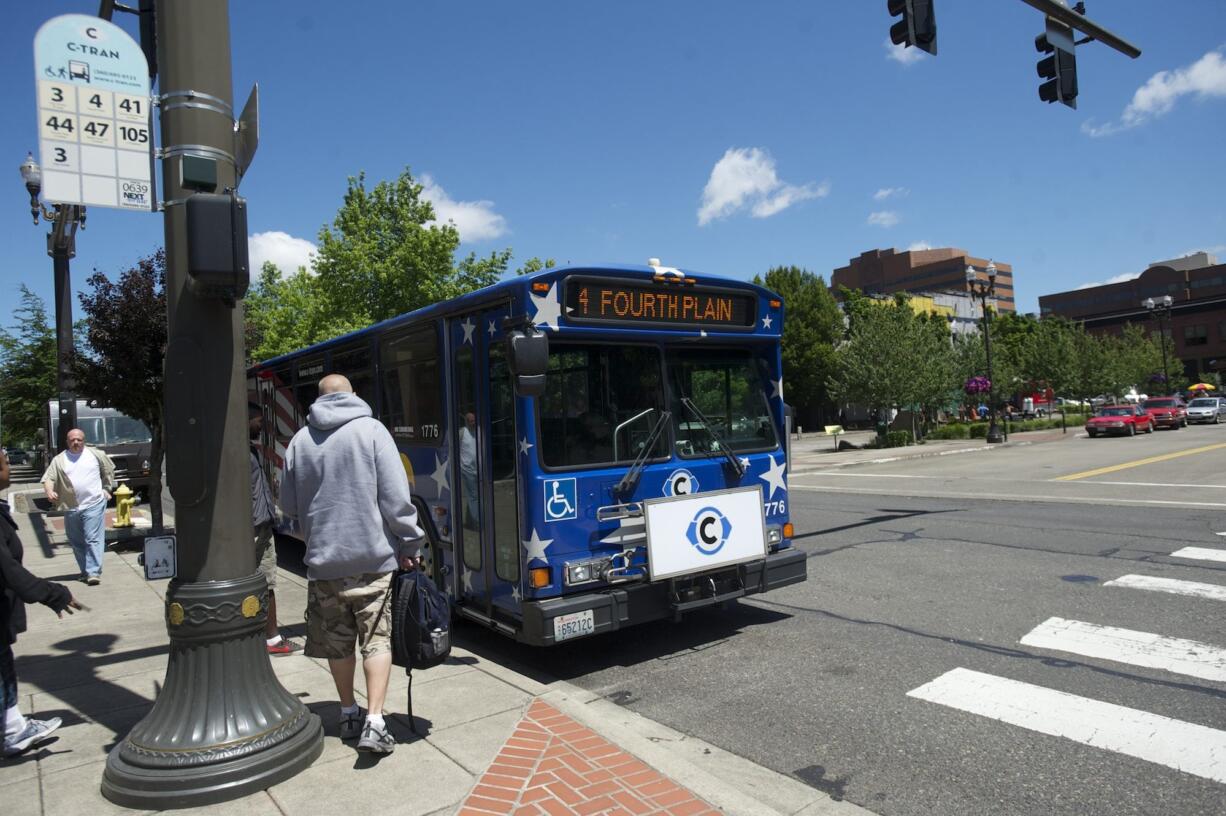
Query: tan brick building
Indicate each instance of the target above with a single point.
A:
(1196, 330)
(884, 271)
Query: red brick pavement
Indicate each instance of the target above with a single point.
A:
(554, 766)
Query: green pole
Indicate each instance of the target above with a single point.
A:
(223, 726)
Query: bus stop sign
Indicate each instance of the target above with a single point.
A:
(95, 123)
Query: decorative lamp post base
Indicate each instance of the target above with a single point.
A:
(223, 726)
(994, 435)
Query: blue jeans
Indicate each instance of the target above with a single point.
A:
(87, 536)
(8, 678)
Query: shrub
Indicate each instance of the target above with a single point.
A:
(954, 430)
(898, 439)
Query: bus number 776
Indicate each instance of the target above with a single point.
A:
(774, 507)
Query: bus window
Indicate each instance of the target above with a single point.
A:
(727, 388)
(600, 404)
(503, 449)
(355, 363)
(306, 386)
(467, 442)
(412, 391)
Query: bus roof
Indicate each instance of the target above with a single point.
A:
(517, 283)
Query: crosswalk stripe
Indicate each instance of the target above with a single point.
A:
(1176, 587)
(1187, 747)
(1200, 554)
(1152, 651)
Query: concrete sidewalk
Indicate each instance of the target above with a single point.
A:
(494, 741)
(816, 451)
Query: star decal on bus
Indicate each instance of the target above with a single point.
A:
(468, 325)
(466, 579)
(440, 474)
(777, 389)
(492, 329)
(766, 322)
(774, 476)
(536, 547)
(548, 308)
(524, 445)
(516, 595)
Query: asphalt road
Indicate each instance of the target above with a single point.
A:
(925, 576)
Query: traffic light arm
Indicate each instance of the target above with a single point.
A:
(1058, 11)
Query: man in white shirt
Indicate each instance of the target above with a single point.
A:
(79, 480)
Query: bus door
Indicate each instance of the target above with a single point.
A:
(485, 467)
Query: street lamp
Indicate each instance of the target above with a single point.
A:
(61, 246)
(1161, 308)
(983, 291)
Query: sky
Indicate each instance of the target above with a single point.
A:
(720, 137)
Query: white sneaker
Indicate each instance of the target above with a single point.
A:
(35, 732)
(376, 740)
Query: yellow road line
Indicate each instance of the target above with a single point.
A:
(1085, 474)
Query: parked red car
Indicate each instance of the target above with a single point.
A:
(1120, 419)
(1167, 412)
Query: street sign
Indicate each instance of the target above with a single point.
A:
(95, 119)
(159, 558)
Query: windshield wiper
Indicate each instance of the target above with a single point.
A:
(635, 472)
(719, 440)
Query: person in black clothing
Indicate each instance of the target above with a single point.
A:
(19, 588)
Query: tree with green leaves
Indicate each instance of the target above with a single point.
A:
(383, 255)
(121, 364)
(812, 326)
(27, 370)
(875, 365)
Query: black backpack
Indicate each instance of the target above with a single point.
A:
(421, 626)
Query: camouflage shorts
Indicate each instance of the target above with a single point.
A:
(266, 553)
(343, 611)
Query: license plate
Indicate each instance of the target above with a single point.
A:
(574, 625)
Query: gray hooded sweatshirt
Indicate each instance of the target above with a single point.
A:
(347, 489)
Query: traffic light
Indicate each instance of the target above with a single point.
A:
(1059, 68)
(918, 25)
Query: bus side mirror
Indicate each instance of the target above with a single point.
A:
(528, 356)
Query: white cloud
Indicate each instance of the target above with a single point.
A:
(1203, 79)
(746, 177)
(883, 218)
(901, 54)
(887, 192)
(475, 220)
(283, 249)
(919, 246)
(1127, 276)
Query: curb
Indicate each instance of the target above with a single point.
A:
(730, 782)
(810, 467)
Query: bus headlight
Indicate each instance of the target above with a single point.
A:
(584, 572)
(774, 534)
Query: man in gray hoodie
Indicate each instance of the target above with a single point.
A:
(346, 487)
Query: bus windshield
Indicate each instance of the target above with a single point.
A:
(600, 404)
(727, 389)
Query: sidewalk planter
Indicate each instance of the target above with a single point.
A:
(898, 439)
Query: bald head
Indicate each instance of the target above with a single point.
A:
(335, 384)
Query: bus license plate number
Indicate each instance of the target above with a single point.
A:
(574, 625)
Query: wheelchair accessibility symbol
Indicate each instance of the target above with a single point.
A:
(560, 499)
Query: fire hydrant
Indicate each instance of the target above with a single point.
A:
(124, 499)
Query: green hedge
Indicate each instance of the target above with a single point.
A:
(979, 430)
(898, 439)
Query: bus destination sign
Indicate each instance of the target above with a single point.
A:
(604, 301)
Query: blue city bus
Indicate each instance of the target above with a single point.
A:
(588, 447)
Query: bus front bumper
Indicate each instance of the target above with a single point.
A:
(554, 620)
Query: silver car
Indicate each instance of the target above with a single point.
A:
(1206, 409)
